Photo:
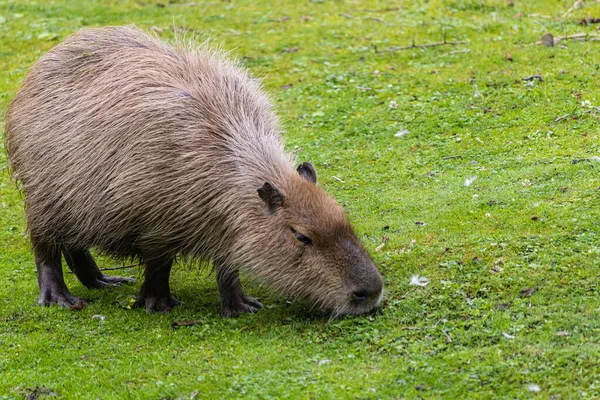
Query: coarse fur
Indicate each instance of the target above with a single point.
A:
(140, 149)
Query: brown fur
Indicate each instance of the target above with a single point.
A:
(139, 149)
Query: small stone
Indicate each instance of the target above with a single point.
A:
(548, 40)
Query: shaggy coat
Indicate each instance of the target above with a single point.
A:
(123, 143)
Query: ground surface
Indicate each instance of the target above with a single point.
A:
(482, 182)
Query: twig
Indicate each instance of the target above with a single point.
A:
(407, 293)
(379, 20)
(419, 46)
(561, 118)
(450, 157)
(383, 9)
(338, 179)
(572, 115)
(455, 52)
(346, 16)
(575, 36)
(440, 320)
(536, 15)
(411, 328)
(123, 267)
(578, 36)
(384, 240)
(447, 336)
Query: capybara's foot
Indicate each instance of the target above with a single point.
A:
(244, 305)
(107, 281)
(155, 304)
(54, 295)
(233, 299)
(53, 289)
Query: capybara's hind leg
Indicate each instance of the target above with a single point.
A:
(155, 294)
(53, 289)
(83, 265)
(233, 299)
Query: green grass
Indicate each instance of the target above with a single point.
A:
(530, 219)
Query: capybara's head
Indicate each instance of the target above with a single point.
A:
(318, 256)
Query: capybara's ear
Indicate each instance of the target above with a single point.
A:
(307, 171)
(272, 197)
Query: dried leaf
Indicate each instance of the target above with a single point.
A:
(507, 56)
(78, 306)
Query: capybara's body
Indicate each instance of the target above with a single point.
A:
(125, 144)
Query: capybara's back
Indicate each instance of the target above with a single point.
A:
(124, 143)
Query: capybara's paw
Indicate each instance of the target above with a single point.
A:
(153, 304)
(252, 302)
(106, 281)
(246, 305)
(63, 298)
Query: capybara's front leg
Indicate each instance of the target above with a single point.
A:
(233, 299)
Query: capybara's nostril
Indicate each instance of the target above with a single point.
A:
(360, 295)
(368, 293)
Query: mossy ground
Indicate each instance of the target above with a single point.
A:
(530, 219)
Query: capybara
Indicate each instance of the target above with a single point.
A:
(139, 149)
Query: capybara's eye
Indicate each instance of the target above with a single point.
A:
(301, 237)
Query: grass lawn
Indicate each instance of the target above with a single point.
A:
(450, 165)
